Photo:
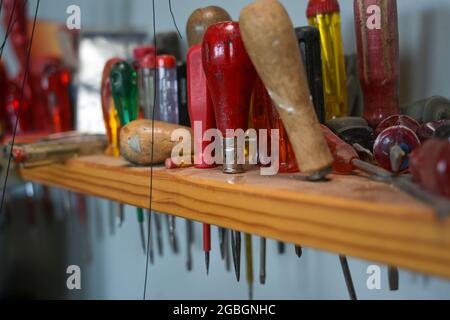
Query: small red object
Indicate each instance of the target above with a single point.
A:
(430, 165)
(316, 7)
(13, 101)
(265, 116)
(394, 136)
(343, 153)
(397, 120)
(378, 58)
(142, 51)
(166, 61)
(200, 105)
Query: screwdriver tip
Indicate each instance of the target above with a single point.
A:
(207, 262)
(298, 251)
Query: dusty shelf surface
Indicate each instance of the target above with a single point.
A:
(350, 215)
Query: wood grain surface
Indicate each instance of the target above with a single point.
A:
(351, 215)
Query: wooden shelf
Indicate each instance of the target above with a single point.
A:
(349, 214)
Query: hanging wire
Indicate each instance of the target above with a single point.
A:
(151, 165)
(173, 19)
(19, 107)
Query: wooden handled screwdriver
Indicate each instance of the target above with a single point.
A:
(271, 43)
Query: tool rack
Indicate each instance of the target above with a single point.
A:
(349, 215)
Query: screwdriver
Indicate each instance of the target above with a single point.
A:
(199, 100)
(378, 58)
(166, 109)
(111, 121)
(145, 65)
(309, 42)
(249, 261)
(271, 42)
(123, 79)
(325, 16)
(230, 76)
(201, 113)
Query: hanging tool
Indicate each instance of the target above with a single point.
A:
(230, 76)
(166, 109)
(123, 79)
(270, 40)
(145, 65)
(428, 110)
(378, 58)
(309, 42)
(199, 100)
(348, 277)
(325, 15)
(201, 113)
(262, 260)
(249, 264)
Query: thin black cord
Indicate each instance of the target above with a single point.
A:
(151, 165)
(11, 25)
(20, 105)
(173, 19)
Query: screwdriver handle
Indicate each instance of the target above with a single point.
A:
(343, 153)
(201, 109)
(325, 15)
(110, 115)
(200, 20)
(378, 57)
(123, 80)
(272, 45)
(309, 42)
(230, 77)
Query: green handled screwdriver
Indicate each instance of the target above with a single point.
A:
(123, 79)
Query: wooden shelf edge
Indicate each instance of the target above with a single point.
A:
(348, 215)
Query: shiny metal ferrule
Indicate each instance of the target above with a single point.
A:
(230, 156)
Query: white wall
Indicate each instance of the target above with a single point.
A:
(117, 266)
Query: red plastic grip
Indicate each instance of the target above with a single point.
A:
(200, 105)
(378, 57)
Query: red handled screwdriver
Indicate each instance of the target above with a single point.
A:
(230, 76)
(378, 58)
(201, 113)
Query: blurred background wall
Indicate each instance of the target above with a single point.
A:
(33, 260)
